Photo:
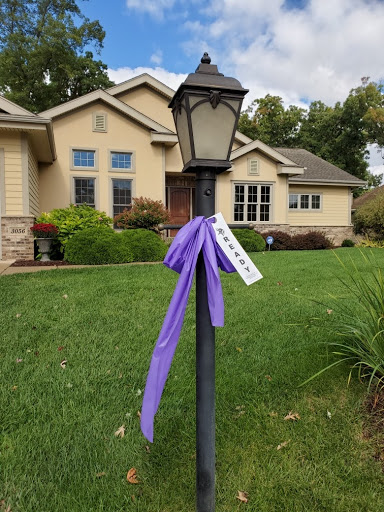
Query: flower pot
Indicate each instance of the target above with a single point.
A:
(44, 245)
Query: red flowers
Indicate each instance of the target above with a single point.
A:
(44, 230)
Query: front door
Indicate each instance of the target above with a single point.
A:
(179, 206)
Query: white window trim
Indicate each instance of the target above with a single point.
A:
(272, 202)
(133, 161)
(80, 168)
(310, 209)
(111, 178)
(82, 177)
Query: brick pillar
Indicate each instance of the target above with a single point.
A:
(16, 237)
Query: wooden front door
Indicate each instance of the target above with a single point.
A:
(179, 206)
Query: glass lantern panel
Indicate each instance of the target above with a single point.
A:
(183, 134)
(212, 130)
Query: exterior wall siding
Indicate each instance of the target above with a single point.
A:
(33, 182)
(334, 211)
(10, 142)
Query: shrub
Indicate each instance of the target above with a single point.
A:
(371, 243)
(73, 219)
(282, 241)
(249, 240)
(369, 218)
(97, 246)
(144, 245)
(145, 213)
(313, 240)
(348, 243)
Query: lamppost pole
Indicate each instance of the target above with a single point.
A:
(206, 108)
(205, 360)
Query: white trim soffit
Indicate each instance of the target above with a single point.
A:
(169, 139)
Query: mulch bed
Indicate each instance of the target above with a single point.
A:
(374, 425)
(36, 263)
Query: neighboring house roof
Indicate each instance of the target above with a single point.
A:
(143, 79)
(39, 129)
(368, 196)
(317, 170)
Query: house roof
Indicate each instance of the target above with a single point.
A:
(39, 129)
(317, 170)
(143, 79)
(368, 196)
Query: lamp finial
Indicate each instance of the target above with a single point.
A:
(205, 59)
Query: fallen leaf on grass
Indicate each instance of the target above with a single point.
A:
(329, 415)
(329, 311)
(268, 377)
(19, 360)
(18, 315)
(292, 416)
(14, 388)
(273, 414)
(147, 449)
(139, 415)
(63, 364)
(239, 349)
(132, 477)
(120, 432)
(60, 348)
(283, 445)
(99, 475)
(279, 283)
(65, 296)
(242, 496)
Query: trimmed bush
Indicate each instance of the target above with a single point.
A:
(145, 213)
(313, 240)
(97, 246)
(369, 218)
(74, 219)
(144, 245)
(348, 243)
(282, 241)
(249, 240)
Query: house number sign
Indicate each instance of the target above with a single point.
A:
(17, 231)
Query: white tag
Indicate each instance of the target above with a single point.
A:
(233, 250)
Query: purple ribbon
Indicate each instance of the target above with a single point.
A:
(195, 236)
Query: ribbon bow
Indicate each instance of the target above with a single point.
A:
(195, 236)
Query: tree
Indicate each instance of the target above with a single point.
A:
(267, 120)
(45, 56)
(338, 134)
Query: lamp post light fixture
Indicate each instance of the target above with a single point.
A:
(206, 109)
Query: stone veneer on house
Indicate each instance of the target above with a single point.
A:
(16, 237)
(335, 233)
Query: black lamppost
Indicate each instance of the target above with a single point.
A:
(206, 109)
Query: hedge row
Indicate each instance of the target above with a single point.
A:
(103, 245)
(313, 240)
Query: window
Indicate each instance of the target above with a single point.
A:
(304, 202)
(85, 191)
(84, 158)
(252, 203)
(122, 195)
(121, 160)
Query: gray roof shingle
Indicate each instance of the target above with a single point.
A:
(317, 169)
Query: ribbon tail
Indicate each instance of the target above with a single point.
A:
(166, 343)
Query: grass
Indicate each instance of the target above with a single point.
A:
(57, 425)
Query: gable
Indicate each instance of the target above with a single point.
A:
(8, 107)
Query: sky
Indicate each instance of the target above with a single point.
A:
(301, 50)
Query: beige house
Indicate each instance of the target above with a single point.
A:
(110, 146)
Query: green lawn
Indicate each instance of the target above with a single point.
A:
(58, 451)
